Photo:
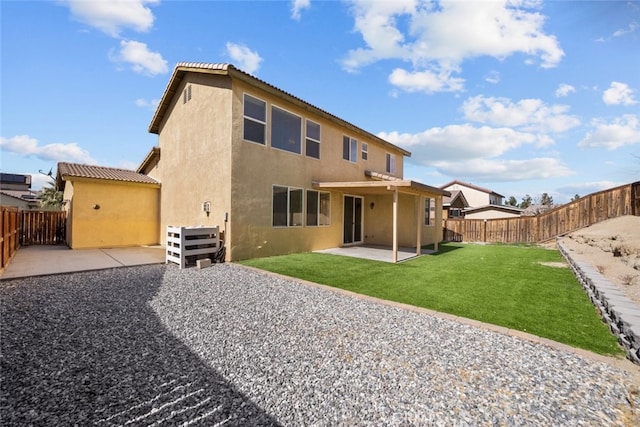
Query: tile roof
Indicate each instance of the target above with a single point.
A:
(67, 170)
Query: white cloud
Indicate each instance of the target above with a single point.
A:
(492, 77)
(624, 130)
(25, 146)
(461, 142)
(630, 29)
(494, 170)
(584, 188)
(527, 114)
(564, 90)
(112, 16)
(142, 60)
(425, 81)
(143, 103)
(618, 93)
(297, 6)
(246, 59)
(438, 38)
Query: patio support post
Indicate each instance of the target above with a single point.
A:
(419, 225)
(395, 224)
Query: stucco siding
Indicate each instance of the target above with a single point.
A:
(195, 144)
(256, 168)
(127, 214)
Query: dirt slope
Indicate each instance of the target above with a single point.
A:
(613, 248)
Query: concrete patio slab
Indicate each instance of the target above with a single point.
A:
(44, 260)
(375, 253)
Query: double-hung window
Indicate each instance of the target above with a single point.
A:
(349, 149)
(286, 130)
(287, 206)
(365, 151)
(318, 208)
(255, 119)
(312, 141)
(391, 164)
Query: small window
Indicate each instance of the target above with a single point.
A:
(255, 119)
(312, 142)
(429, 211)
(286, 130)
(287, 207)
(365, 151)
(391, 164)
(349, 149)
(318, 208)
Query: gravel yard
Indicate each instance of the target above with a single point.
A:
(156, 345)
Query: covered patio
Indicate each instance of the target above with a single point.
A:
(411, 219)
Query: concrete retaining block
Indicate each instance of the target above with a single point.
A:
(619, 312)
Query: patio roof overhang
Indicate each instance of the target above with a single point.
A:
(384, 184)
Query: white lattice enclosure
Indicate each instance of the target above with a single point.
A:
(187, 244)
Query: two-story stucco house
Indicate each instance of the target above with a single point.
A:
(278, 174)
(481, 203)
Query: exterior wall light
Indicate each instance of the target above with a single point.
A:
(96, 206)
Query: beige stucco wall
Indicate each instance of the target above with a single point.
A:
(128, 214)
(204, 158)
(195, 155)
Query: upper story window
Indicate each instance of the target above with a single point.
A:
(349, 149)
(391, 164)
(255, 119)
(365, 151)
(312, 141)
(286, 130)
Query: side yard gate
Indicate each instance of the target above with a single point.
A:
(588, 210)
(22, 228)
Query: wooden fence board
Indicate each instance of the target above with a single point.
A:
(43, 227)
(596, 207)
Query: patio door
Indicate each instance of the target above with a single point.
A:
(352, 220)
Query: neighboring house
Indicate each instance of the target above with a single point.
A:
(475, 195)
(278, 174)
(454, 205)
(493, 212)
(108, 207)
(482, 203)
(15, 191)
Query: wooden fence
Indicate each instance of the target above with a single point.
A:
(21, 228)
(9, 233)
(43, 227)
(596, 207)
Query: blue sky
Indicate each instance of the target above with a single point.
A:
(520, 96)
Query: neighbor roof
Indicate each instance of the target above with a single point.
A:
(182, 68)
(475, 187)
(455, 194)
(74, 170)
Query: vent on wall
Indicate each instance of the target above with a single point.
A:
(186, 94)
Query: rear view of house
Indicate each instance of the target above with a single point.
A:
(277, 174)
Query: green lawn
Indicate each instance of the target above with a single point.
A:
(500, 284)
